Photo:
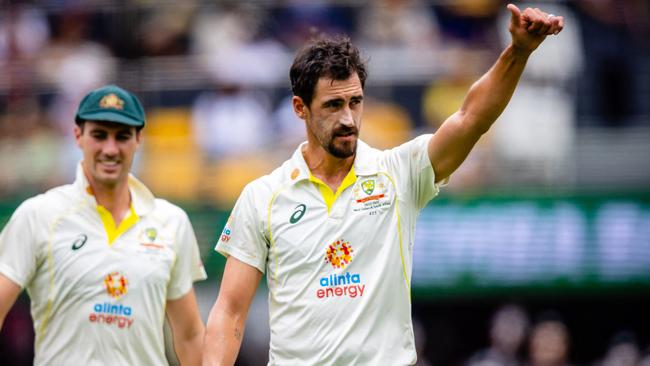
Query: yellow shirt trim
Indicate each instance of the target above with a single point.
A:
(109, 224)
(329, 196)
(401, 241)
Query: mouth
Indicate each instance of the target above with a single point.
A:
(346, 135)
(109, 165)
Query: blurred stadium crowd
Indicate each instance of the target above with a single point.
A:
(516, 339)
(214, 79)
(213, 76)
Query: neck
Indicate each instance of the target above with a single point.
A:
(325, 166)
(116, 199)
(113, 199)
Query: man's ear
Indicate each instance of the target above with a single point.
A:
(300, 108)
(78, 131)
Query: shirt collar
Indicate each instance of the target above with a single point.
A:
(142, 198)
(365, 162)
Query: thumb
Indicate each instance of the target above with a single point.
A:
(516, 14)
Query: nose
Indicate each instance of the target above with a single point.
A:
(347, 119)
(110, 147)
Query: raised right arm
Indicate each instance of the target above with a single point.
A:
(225, 329)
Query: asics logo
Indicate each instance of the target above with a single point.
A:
(79, 242)
(298, 213)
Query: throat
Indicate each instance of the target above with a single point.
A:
(332, 182)
(331, 190)
(330, 170)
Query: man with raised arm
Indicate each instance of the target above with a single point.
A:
(333, 227)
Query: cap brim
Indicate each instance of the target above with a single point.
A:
(108, 116)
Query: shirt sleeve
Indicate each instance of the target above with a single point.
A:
(243, 236)
(411, 162)
(18, 246)
(188, 267)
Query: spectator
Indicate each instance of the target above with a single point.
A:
(508, 330)
(611, 87)
(549, 342)
(231, 42)
(623, 350)
(398, 23)
(230, 121)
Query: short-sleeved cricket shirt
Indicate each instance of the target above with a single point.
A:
(338, 273)
(96, 298)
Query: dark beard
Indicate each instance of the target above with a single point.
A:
(341, 152)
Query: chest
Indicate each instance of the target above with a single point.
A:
(78, 255)
(303, 229)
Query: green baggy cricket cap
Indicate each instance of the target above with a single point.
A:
(111, 103)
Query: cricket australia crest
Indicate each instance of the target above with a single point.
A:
(368, 186)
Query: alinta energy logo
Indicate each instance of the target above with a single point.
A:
(110, 313)
(339, 254)
(225, 234)
(116, 284)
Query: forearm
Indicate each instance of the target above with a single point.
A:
(223, 338)
(9, 292)
(188, 348)
(488, 96)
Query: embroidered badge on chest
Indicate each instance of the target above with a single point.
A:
(372, 193)
(151, 242)
(148, 238)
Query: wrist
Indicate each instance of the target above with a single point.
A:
(518, 53)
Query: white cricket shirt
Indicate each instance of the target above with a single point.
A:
(95, 302)
(338, 276)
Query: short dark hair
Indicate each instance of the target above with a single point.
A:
(325, 57)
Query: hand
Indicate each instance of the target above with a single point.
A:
(530, 27)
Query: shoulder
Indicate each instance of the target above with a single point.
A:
(370, 159)
(56, 196)
(369, 152)
(416, 145)
(50, 204)
(264, 187)
(165, 211)
(411, 153)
